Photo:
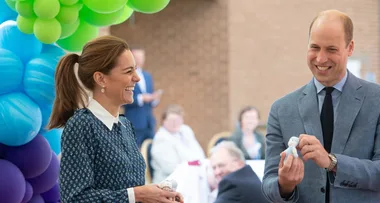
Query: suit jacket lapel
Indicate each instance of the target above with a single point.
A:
(309, 111)
(350, 103)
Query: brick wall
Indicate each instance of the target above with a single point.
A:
(215, 56)
(187, 53)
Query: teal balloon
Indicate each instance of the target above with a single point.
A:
(24, 46)
(6, 13)
(99, 19)
(127, 13)
(38, 80)
(25, 8)
(11, 72)
(25, 25)
(68, 29)
(46, 9)
(75, 42)
(148, 6)
(20, 119)
(54, 52)
(47, 30)
(102, 6)
(54, 139)
(68, 14)
(11, 4)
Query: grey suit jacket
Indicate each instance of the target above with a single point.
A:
(356, 144)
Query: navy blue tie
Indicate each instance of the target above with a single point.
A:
(327, 121)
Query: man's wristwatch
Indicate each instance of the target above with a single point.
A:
(333, 163)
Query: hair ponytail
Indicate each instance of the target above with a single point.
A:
(69, 93)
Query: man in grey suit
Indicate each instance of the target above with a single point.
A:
(336, 117)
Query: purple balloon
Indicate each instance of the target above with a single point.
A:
(12, 183)
(32, 158)
(48, 178)
(28, 193)
(52, 195)
(37, 199)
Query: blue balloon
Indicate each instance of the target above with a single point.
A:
(46, 111)
(54, 139)
(6, 12)
(23, 45)
(20, 119)
(39, 79)
(11, 72)
(52, 50)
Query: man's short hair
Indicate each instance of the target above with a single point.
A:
(232, 149)
(348, 26)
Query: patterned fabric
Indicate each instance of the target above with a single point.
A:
(98, 164)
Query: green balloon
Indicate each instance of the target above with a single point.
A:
(105, 6)
(25, 25)
(127, 12)
(47, 30)
(79, 5)
(68, 29)
(11, 4)
(148, 6)
(68, 2)
(46, 9)
(25, 8)
(68, 14)
(99, 19)
(79, 38)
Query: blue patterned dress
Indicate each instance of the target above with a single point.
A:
(98, 164)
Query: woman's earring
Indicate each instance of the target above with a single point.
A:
(103, 90)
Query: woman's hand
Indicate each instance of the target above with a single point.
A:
(154, 194)
(179, 198)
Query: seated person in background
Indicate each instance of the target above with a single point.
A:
(246, 137)
(173, 144)
(238, 183)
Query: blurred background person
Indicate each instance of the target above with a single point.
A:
(140, 112)
(246, 137)
(173, 144)
(237, 182)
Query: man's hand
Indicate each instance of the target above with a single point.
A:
(311, 148)
(290, 174)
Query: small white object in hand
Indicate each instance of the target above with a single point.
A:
(292, 144)
(169, 185)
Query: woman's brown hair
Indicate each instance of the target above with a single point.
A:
(98, 55)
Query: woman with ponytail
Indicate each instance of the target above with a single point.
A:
(100, 159)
